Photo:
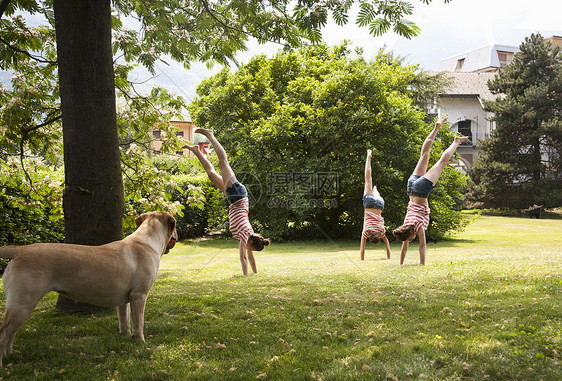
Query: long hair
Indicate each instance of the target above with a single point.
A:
(258, 242)
(404, 232)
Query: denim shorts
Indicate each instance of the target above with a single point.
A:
(370, 201)
(419, 186)
(236, 193)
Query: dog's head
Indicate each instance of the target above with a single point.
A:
(169, 223)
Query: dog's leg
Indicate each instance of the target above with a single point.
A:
(138, 302)
(13, 320)
(124, 319)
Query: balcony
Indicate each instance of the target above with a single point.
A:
(473, 139)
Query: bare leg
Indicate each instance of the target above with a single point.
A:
(423, 162)
(368, 178)
(435, 172)
(228, 176)
(208, 167)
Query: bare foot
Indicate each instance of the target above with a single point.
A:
(369, 153)
(204, 131)
(460, 139)
(192, 148)
(441, 120)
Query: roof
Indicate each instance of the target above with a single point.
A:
(477, 59)
(470, 84)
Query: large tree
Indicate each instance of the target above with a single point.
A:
(183, 30)
(521, 163)
(297, 127)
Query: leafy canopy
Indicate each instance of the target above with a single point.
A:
(185, 31)
(297, 126)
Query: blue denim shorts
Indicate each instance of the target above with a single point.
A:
(236, 193)
(419, 186)
(370, 201)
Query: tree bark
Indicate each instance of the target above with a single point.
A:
(93, 199)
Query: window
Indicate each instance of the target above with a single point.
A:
(464, 127)
(156, 134)
(460, 64)
(179, 153)
(179, 134)
(505, 58)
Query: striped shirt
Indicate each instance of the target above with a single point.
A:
(417, 215)
(238, 218)
(373, 223)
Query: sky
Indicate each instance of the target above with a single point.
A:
(446, 30)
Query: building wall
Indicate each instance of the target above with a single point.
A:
(468, 108)
(555, 41)
(185, 131)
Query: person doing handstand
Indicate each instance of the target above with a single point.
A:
(237, 197)
(420, 185)
(373, 223)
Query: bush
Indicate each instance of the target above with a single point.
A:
(196, 221)
(30, 212)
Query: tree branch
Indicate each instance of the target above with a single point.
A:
(3, 7)
(230, 28)
(15, 48)
(22, 156)
(38, 126)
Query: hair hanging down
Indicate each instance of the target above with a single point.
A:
(404, 232)
(258, 242)
(374, 239)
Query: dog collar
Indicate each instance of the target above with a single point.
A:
(172, 243)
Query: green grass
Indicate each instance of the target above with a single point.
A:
(487, 305)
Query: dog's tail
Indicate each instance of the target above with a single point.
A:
(8, 251)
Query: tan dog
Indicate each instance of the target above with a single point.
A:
(120, 274)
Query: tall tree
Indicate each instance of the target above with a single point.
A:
(521, 164)
(91, 147)
(183, 30)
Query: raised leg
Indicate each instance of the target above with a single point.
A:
(228, 176)
(435, 172)
(123, 314)
(208, 167)
(368, 175)
(423, 162)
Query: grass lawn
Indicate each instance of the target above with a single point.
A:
(487, 305)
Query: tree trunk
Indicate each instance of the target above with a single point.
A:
(93, 198)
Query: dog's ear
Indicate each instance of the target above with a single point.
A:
(171, 224)
(140, 219)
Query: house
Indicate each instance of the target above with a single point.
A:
(185, 132)
(555, 41)
(482, 60)
(463, 102)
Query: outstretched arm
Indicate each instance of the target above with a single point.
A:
(363, 242)
(243, 259)
(252, 261)
(403, 251)
(387, 244)
(421, 235)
